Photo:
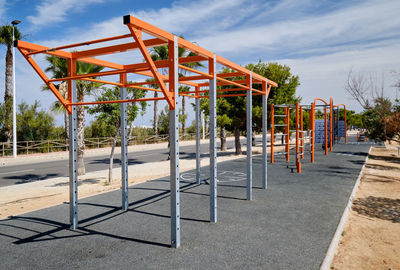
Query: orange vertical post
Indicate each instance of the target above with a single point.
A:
(297, 157)
(312, 124)
(331, 124)
(345, 126)
(272, 133)
(287, 131)
(301, 133)
(326, 130)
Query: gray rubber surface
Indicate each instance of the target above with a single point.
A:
(288, 226)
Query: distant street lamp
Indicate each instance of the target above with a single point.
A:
(14, 23)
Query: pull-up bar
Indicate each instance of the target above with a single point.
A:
(168, 86)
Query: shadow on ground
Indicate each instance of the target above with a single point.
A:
(378, 207)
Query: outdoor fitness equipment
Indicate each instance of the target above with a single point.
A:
(170, 94)
(285, 136)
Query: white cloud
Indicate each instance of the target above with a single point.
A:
(325, 76)
(358, 23)
(320, 47)
(49, 11)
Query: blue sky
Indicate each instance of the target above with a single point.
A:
(320, 40)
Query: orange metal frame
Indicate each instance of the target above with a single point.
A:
(149, 68)
(345, 121)
(299, 134)
(330, 104)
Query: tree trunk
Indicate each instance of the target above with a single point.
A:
(110, 168)
(238, 147)
(253, 139)
(8, 94)
(155, 119)
(223, 138)
(183, 117)
(63, 89)
(80, 111)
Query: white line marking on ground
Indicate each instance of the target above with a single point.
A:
(17, 172)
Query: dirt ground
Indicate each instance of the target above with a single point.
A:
(371, 236)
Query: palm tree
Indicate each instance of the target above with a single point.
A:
(6, 38)
(161, 53)
(158, 53)
(59, 68)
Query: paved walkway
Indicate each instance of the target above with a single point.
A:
(288, 226)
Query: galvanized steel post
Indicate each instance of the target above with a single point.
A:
(73, 162)
(249, 184)
(174, 144)
(124, 145)
(212, 66)
(197, 139)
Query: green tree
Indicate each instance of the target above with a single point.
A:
(231, 111)
(59, 68)
(34, 124)
(109, 113)
(161, 53)
(6, 38)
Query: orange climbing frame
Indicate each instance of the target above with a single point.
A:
(149, 68)
(313, 105)
(345, 121)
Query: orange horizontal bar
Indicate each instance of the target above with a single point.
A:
(88, 75)
(101, 81)
(67, 55)
(115, 101)
(144, 88)
(223, 83)
(82, 44)
(186, 95)
(196, 71)
(118, 48)
(233, 83)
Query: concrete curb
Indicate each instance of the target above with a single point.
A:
(330, 254)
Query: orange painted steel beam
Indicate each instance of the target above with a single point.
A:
(219, 90)
(96, 74)
(67, 55)
(301, 133)
(272, 133)
(155, 31)
(326, 130)
(233, 83)
(232, 95)
(239, 68)
(82, 44)
(164, 63)
(142, 47)
(196, 71)
(312, 123)
(331, 123)
(115, 101)
(103, 82)
(269, 90)
(287, 131)
(225, 82)
(43, 76)
(298, 164)
(345, 121)
(118, 48)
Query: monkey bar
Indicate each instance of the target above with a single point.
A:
(150, 69)
(338, 120)
(285, 137)
(326, 104)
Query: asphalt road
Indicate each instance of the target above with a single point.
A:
(20, 174)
